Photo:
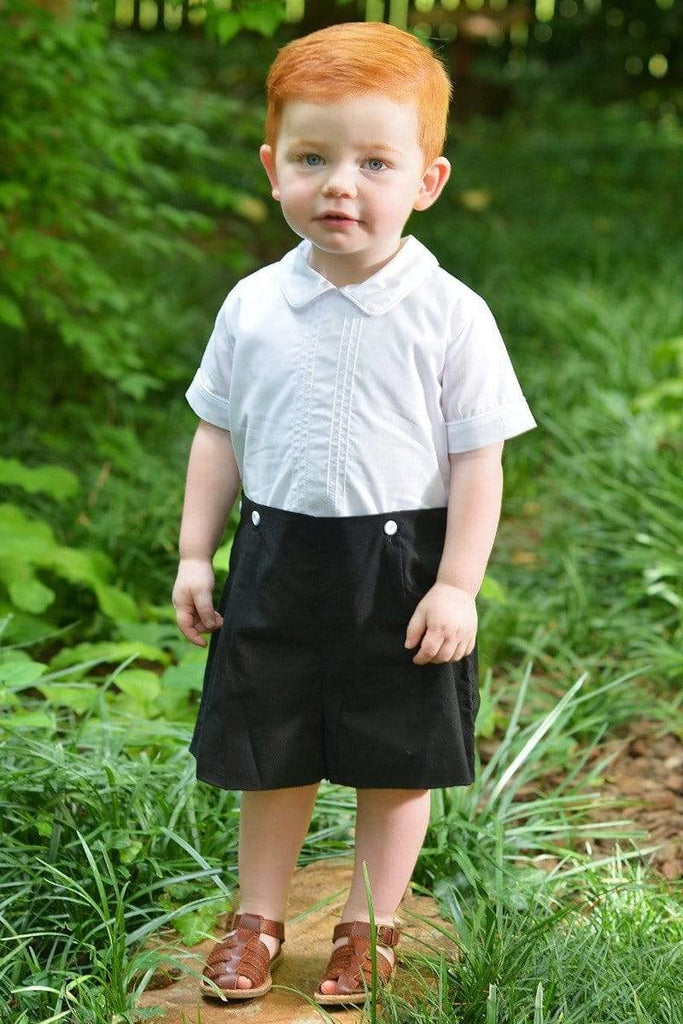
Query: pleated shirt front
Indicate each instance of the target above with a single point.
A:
(346, 401)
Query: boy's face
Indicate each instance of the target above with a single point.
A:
(361, 158)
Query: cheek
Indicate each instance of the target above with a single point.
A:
(386, 203)
(296, 190)
(393, 202)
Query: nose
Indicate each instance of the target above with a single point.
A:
(339, 182)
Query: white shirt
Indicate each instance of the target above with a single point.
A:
(346, 400)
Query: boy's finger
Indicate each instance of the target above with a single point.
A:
(195, 637)
(205, 611)
(186, 624)
(217, 619)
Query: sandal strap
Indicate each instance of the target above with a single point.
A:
(233, 957)
(350, 961)
(243, 953)
(386, 934)
(259, 924)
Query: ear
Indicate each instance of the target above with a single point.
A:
(268, 161)
(433, 181)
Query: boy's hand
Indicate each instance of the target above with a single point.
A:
(447, 616)
(193, 599)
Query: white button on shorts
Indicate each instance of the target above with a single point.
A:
(390, 526)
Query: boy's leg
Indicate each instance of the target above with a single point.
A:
(273, 825)
(390, 828)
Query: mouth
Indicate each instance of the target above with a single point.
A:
(337, 217)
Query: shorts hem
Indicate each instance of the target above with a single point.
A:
(240, 787)
(426, 784)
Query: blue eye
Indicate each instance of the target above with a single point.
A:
(304, 157)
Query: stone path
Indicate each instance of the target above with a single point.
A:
(304, 955)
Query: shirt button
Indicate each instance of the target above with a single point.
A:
(255, 518)
(390, 526)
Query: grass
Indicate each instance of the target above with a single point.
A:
(108, 841)
(102, 850)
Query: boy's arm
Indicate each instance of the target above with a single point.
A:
(213, 482)
(474, 505)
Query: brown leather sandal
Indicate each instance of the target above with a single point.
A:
(351, 962)
(242, 953)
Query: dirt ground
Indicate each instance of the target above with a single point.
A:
(646, 776)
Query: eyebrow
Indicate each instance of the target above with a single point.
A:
(370, 145)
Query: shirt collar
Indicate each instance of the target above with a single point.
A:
(391, 283)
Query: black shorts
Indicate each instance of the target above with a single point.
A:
(308, 677)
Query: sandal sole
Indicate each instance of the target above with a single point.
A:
(354, 998)
(225, 994)
(348, 998)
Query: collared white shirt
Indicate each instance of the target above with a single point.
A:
(346, 400)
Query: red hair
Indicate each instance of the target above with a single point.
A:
(353, 59)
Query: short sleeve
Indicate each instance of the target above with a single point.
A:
(481, 398)
(209, 393)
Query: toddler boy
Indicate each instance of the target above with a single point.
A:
(360, 395)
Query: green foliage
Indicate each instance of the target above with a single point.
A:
(113, 220)
(56, 481)
(596, 50)
(71, 684)
(665, 398)
(263, 17)
(71, 141)
(27, 546)
(107, 168)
